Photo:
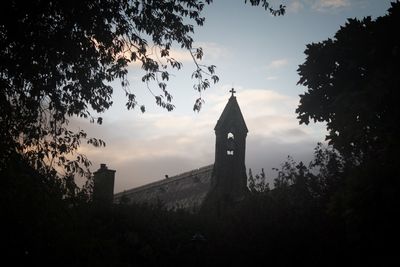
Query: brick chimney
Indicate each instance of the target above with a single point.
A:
(103, 188)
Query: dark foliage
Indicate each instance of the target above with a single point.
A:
(353, 83)
(58, 59)
(304, 219)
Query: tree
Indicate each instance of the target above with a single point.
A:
(352, 83)
(258, 183)
(58, 59)
(353, 86)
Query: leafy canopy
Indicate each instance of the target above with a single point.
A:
(353, 84)
(57, 59)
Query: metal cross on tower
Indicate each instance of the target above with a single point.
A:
(232, 91)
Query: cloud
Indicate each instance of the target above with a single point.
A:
(323, 5)
(213, 51)
(271, 78)
(277, 64)
(154, 53)
(180, 55)
(295, 6)
(271, 153)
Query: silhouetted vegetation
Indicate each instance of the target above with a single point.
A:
(339, 209)
(304, 219)
(57, 61)
(353, 87)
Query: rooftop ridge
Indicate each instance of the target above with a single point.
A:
(165, 181)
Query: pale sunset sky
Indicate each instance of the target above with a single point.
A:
(255, 53)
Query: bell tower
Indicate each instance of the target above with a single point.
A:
(229, 179)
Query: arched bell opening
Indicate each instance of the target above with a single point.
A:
(230, 146)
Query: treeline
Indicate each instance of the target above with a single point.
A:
(323, 213)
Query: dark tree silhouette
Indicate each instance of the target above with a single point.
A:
(353, 86)
(353, 83)
(57, 60)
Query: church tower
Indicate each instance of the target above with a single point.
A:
(229, 179)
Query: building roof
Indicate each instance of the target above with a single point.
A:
(187, 190)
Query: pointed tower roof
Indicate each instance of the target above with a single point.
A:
(231, 116)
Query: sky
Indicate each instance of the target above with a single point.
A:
(255, 53)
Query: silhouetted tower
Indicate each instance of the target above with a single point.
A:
(103, 187)
(229, 179)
